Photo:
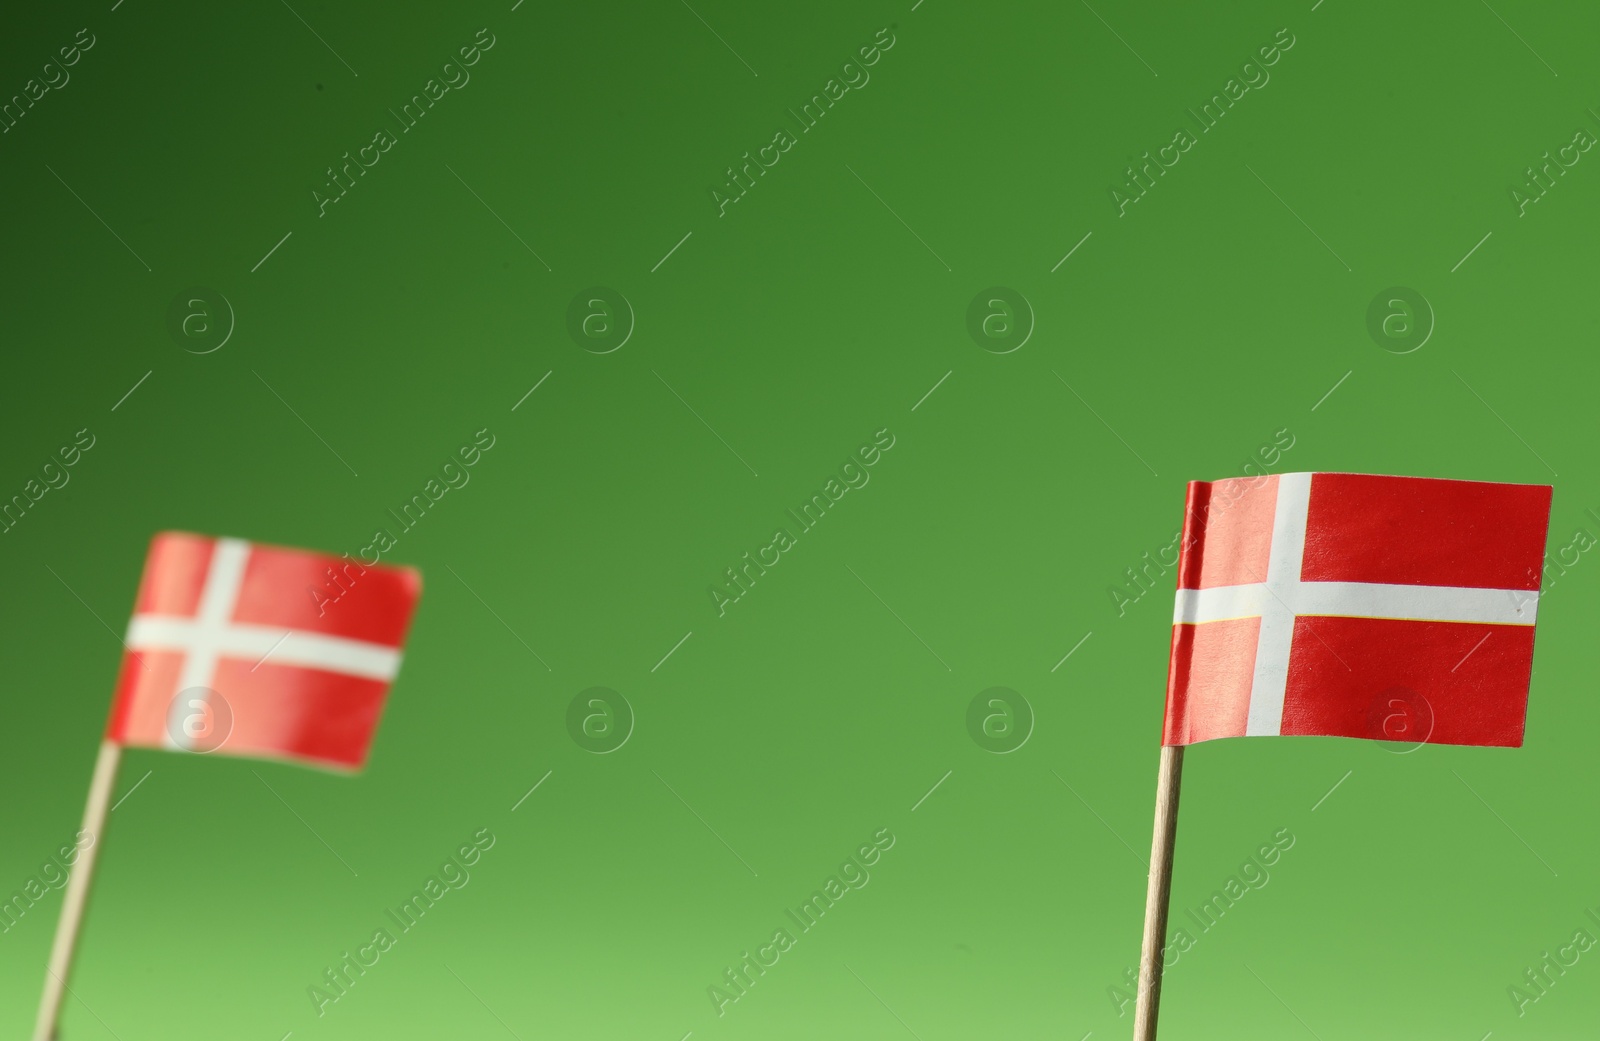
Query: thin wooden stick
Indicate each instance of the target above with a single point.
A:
(77, 892)
(1157, 897)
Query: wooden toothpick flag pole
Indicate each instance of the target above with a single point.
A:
(77, 892)
(246, 664)
(1343, 605)
(1168, 780)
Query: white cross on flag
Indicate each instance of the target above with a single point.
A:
(1353, 605)
(259, 650)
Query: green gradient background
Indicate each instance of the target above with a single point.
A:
(799, 323)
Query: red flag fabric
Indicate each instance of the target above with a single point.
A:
(255, 650)
(1354, 605)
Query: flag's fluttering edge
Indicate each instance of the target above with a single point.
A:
(1352, 605)
(230, 651)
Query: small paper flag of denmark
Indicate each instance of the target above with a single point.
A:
(1353, 605)
(229, 651)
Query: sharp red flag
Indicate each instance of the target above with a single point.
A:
(229, 650)
(1353, 605)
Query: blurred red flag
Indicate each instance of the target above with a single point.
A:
(255, 650)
